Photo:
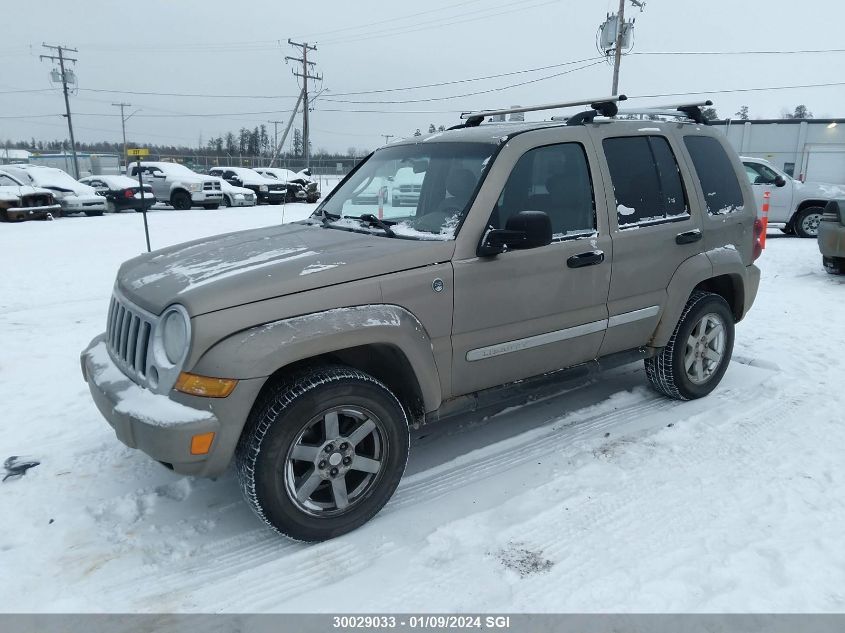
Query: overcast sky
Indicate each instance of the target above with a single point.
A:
(212, 47)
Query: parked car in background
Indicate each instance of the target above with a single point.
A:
(831, 237)
(236, 196)
(304, 189)
(121, 192)
(795, 206)
(177, 185)
(73, 196)
(22, 202)
(406, 187)
(266, 189)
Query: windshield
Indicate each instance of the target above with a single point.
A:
(422, 191)
(54, 178)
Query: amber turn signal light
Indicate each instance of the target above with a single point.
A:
(201, 444)
(204, 386)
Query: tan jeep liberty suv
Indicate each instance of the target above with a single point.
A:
(304, 352)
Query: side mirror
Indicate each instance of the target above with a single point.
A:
(780, 181)
(526, 229)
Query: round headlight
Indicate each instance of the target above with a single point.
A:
(174, 336)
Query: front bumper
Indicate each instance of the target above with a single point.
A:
(271, 197)
(207, 197)
(162, 426)
(34, 213)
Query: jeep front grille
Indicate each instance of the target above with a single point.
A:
(128, 335)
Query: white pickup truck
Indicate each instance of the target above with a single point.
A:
(795, 206)
(177, 185)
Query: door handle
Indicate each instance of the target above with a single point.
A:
(688, 237)
(590, 258)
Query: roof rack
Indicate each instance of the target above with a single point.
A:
(606, 106)
(690, 110)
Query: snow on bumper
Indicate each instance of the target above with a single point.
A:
(152, 423)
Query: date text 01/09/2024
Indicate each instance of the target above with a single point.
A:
(436, 622)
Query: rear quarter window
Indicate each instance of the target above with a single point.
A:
(722, 193)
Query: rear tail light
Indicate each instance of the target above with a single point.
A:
(758, 239)
(128, 193)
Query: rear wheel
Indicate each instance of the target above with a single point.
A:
(181, 200)
(697, 355)
(323, 452)
(806, 221)
(834, 265)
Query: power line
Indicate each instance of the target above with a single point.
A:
(445, 111)
(441, 22)
(397, 19)
(469, 94)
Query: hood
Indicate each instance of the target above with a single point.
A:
(821, 189)
(237, 268)
(14, 192)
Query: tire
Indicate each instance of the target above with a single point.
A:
(227, 201)
(667, 371)
(834, 265)
(211, 207)
(805, 223)
(181, 200)
(318, 414)
(93, 214)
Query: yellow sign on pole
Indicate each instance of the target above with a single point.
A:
(140, 151)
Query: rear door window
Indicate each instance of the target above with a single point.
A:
(722, 193)
(646, 180)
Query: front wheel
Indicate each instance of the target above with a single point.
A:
(323, 452)
(227, 201)
(211, 207)
(181, 200)
(806, 222)
(695, 359)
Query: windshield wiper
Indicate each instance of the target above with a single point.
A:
(328, 217)
(384, 226)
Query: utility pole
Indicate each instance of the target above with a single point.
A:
(387, 138)
(276, 125)
(621, 33)
(64, 74)
(122, 105)
(305, 75)
(617, 55)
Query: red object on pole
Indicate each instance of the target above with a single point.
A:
(765, 217)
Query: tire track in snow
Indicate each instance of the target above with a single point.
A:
(314, 564)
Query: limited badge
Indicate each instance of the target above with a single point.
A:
(437, 285)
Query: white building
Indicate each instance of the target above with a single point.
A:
(807, 149)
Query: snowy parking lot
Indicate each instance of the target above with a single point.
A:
(606, 497)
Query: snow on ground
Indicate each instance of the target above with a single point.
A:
(604, 498)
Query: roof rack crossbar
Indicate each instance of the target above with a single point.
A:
(690, 110)
(475, 118)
